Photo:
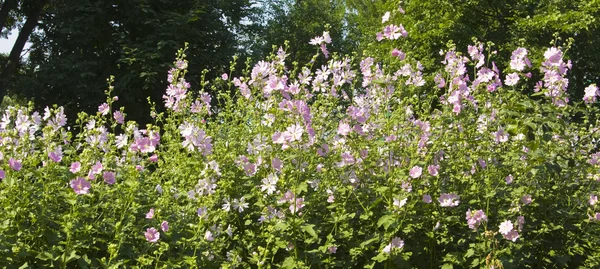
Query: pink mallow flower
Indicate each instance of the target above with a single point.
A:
(109, 177)
(396, 243)
(416, 172)
(448, 200)
(119, 117)
(75, 167)
(398, 53)
(427, 198)
(433, 170)
(2, 174)
(505, 227)
(591, 92)
(152, 235)
(104, 109)
(150, 214)
(475, 218)
(14, 164)
(526, 199)
(277, 164)
(80, 185)
(385, 17)
(97, 168)
(56, 155)
(593, 199)
(344, 128)
(297, 206)
(393, 32)
(512, 236)
(164, 226)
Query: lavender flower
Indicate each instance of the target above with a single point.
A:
(164, 226)
(15, 164)
(109, 177)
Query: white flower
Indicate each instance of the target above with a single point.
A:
(449, 200)
(240, 205)
(295, 132)
(385, 17)
(400, 203)
(505, 227)
(270, 184)
(121, 141)
(511, 79)
(208, 236)
(396, 243)
(226, 206)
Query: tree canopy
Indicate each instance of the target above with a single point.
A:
(79, 44)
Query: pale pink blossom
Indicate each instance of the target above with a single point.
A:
(448, 200)
(150, 214)
(152, 235)
(416, 172)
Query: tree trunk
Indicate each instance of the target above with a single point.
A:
(14, 58)
(7, 6)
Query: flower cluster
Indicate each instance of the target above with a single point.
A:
(475, 218)
(328, 165)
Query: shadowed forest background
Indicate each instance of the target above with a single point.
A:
(77, 45)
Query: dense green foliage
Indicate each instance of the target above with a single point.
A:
(332, 167)
(349, 146)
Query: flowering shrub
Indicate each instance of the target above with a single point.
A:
(351, 164)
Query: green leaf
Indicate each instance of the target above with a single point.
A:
(309, 229)
(368, 242)
(44, 256)
(289, 262)
(381, 257)
(386, 221)
(72, 256)
(303, 187)
(447, 266)
(470, 252)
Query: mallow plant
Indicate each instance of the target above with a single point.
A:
(357, 163)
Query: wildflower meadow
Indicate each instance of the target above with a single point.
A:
(355, 163)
